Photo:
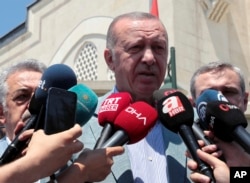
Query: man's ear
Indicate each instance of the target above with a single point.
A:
(2, 118)
(109, 59)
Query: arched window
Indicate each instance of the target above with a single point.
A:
(86, 63)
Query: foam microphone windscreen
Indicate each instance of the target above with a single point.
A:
(109, 110)
(163, 92)
(223, 117)
(175, 110)
(112, 106)
(86, 103)
(136, 120)
(57, 75)
(206, 96)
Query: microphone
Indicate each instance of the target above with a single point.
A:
(199, 134)
(108, 112)
(176, 113)
(196, 129)
(163, 92)
(206, 96)
(86, 103)
(58, 75)
(228, 123)
(132, 124)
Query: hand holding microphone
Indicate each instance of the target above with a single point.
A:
(58, 75)
(206, 96)
(226, 120)
(176, 113)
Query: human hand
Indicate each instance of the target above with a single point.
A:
(230, 149)
(91, 165)
(220, 169)
(212, 149)
(49, 153)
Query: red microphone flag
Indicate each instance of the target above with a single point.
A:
(154, 8)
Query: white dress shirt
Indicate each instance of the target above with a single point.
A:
(147, 157)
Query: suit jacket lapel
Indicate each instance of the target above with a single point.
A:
(175, 155)
(121, 170)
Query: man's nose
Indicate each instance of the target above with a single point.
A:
(148, 56)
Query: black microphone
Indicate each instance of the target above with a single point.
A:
(206, 96)
(57, 75)
(176, 113)
(228, 123)
(199, 134)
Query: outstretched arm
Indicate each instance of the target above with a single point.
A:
(45, 154)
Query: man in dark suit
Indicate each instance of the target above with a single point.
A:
(137, 52)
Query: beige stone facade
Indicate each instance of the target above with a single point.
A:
(73, 32)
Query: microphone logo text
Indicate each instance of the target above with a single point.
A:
(172, 106)
(202, 110)
(227, 107)
(138, 115)
(41, 84)
(110, 104)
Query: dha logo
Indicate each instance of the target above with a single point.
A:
(138, 115)
(172, 106)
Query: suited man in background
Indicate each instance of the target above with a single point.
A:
(229, 80)
(45, 153)
(137, 52)
(17, 84)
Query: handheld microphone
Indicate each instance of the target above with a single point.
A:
(228, 123)
(206, 96)
(132, 124)
(163, 92)
(108, 112)
(176, 113)
(86, 103)
(196, 128)
(58, 75)
(199, 134)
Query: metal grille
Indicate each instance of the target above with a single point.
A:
(86, 63)
(111, 75)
